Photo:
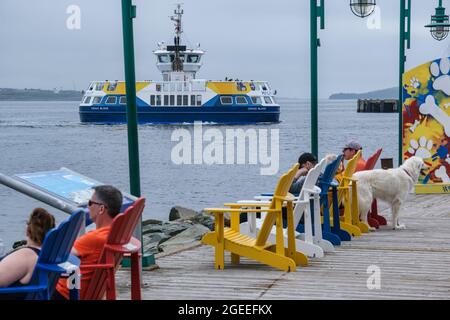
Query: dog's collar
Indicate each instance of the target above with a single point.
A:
(409, 174)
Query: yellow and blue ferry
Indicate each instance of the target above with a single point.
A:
(180, 97)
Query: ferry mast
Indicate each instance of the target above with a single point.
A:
(177, 64)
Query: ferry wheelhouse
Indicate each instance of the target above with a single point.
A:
(180, 97)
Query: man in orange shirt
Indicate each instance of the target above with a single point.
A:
(349, 151)
(104, 205)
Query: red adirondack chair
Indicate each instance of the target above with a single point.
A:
(373, 218)
(119, 243)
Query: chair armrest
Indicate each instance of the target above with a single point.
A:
(236, 211)
(97, 266)
(24, 289)
(248, 203)
(134, 245)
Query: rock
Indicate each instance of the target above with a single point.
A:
(152, 228)
(174, 228)
(194, 233)
(204, 219)
(152, 240)
(19, 243)
(151, 221)
(178, 212)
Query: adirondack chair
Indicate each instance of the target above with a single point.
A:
(54, 259)
(259, 249)
(373, 218)
(119, 243)
(311, 243)
(327, 184)
(350, 221)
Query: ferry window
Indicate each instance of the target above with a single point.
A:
(172, 100)
(268, 100)
(99, 86)
(256, 100)
(179, 98)
(192, 58)
(96, 100)
(112, 86)
(199, 100)
(123, 100)
(185, 100)
(166, 100)
(152, 100)
(182, 57)
(158, 100)
(164, 58)
(192, 100)
(263, 87)
(172, 57)
(241, 100)
(111, 100)
(226, 100)
(91, 87)
(87, 100)
(158, 87)
(165, 86)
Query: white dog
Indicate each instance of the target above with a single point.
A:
(391, 186)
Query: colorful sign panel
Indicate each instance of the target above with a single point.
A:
(426, 122)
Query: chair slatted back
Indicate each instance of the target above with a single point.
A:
(121, 232)
(280, 193)
(56, 249)
(372, 160)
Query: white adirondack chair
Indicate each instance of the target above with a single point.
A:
(311, 245)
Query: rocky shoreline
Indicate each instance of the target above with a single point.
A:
(185, 226)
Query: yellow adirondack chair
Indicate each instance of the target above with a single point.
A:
(350, 221)
(259, 249)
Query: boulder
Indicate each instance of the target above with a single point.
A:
(151, 222)
(151, 241)
(174, 228)
(179, 212)
(194, 233)
(206, 220)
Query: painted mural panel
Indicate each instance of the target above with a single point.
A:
(426, 121)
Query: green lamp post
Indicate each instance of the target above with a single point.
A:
(128, 14)
(361, 8)
(439, 26)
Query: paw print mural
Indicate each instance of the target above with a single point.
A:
(440, 71)
(426, 118)
(422, 148)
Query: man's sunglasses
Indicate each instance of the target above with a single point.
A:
(90, 203)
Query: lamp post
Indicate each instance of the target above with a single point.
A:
(128, 14)
(361, 8)
(405, 36)
(439, 26)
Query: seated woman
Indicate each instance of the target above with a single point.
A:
(16, 268)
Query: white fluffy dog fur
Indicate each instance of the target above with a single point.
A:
(391, 186)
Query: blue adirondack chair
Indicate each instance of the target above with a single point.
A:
(54, 260)
(333, 234)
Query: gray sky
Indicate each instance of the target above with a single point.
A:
(251, 39)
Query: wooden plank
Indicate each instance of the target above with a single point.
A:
(414, 264)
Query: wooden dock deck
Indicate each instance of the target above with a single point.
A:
(414, 264)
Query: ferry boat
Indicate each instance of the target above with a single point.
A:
(180, 97)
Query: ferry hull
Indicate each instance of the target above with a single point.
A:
(177, 115)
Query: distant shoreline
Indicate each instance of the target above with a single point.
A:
(7, 94)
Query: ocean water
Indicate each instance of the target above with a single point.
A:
(40, 136)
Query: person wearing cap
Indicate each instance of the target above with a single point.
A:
(349, 151)
(307, 161)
